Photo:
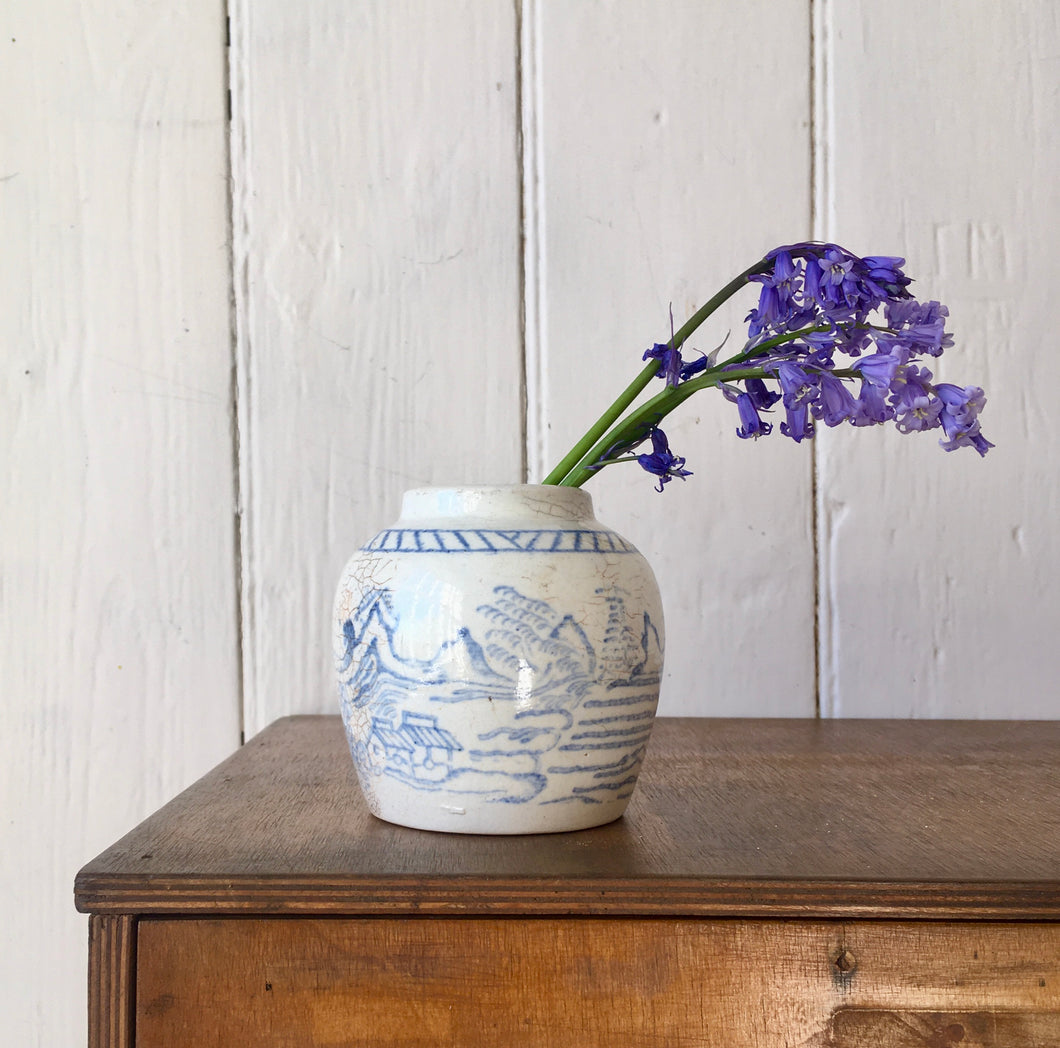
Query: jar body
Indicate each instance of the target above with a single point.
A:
(499, 654)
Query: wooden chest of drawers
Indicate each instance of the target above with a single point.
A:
(774, 883)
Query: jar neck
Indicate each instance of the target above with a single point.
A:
(546, 503)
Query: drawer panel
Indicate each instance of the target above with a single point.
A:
(584, 982)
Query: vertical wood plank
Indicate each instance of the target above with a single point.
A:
(118, 640)
(377, 266)
(939, 571)
(675, 151)
(111, 981)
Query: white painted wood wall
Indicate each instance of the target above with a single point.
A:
(229, 347)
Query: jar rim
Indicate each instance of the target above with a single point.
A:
(471, 500)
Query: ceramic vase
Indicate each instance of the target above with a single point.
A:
(499, 653)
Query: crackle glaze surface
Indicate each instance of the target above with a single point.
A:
(499, 654)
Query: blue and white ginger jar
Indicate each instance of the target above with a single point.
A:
(499, 654)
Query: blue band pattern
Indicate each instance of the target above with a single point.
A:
(489, 540)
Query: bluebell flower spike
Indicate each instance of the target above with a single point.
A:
(833, 338)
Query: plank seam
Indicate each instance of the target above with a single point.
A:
(240, 193)
(531, 154)
(821, 223)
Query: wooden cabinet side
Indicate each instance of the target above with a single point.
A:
(111, 980)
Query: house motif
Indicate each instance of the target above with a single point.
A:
(417, 747)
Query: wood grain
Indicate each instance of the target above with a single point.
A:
(588, 982)
(905, 1028)
(734, 817)
(111, 980)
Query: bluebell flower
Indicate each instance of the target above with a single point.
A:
(662, 462)
(871, 407)
(819, 360)
(919, 327)
(798, 425)
(853, 340)
(959, 417)
(670, 355)
(908, 383)
(836, 403)
(824, 316)
(962, 434)
(777, 298)
(964, 404)
(884, 277)
(824, 341)
(918, 413)
(795, 383)
(752, 424)
(913, 398)
(878, 368)
(831, 280)
(800, 390)
(970, 438)
(764, 398)
(694, 367)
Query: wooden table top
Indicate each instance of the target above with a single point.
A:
(731, 817)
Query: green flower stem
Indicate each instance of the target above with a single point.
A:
(577, 454)
(606, 439)
(636, 427)
(764, 347)
(624, 458)
(603, 423)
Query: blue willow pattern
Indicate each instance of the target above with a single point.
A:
(517, 647)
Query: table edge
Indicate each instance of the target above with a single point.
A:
(523, 897)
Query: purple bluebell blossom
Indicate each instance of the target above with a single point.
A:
(818, 359)
(918, 327)
(797, 385)
(837, 295)
(913, 398)
(871, 407)
(959, 417)
(836, 338)
(694, 367)
(963, 404)
(751, 423)
(836, 403)
(831, 280)
(962, 434)
(878, 368)
(918, 413)
(775, 302)
(853, 340)
(800, 389)
(908, 384)
(764, 398)
(798, 425)
(662, 462)
(670, 357)
(884, 276)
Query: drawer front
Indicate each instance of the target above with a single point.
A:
(585, 982)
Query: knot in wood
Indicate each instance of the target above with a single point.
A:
(846, 962)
